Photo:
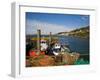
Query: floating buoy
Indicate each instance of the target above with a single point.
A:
(34, 53)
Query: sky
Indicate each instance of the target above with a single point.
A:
(55, 23)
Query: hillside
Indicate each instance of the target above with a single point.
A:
(80, 32)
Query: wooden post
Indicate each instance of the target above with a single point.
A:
(38, 41)
(50, 38)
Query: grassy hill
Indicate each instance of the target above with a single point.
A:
(80, 32)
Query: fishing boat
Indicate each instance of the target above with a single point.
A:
(62, 53)
(53, 51)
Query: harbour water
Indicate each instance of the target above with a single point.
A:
(80, 45)
(76, 44)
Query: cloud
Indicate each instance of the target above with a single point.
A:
(46, 28)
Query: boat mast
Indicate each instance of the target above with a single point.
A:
(50, 38)
(38, 41)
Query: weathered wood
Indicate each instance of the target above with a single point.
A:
(38, 41)
(50, 38)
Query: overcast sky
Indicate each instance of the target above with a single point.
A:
(54, 23)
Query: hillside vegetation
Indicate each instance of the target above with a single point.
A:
(80, 32)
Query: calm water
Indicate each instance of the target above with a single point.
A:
(76, 44)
